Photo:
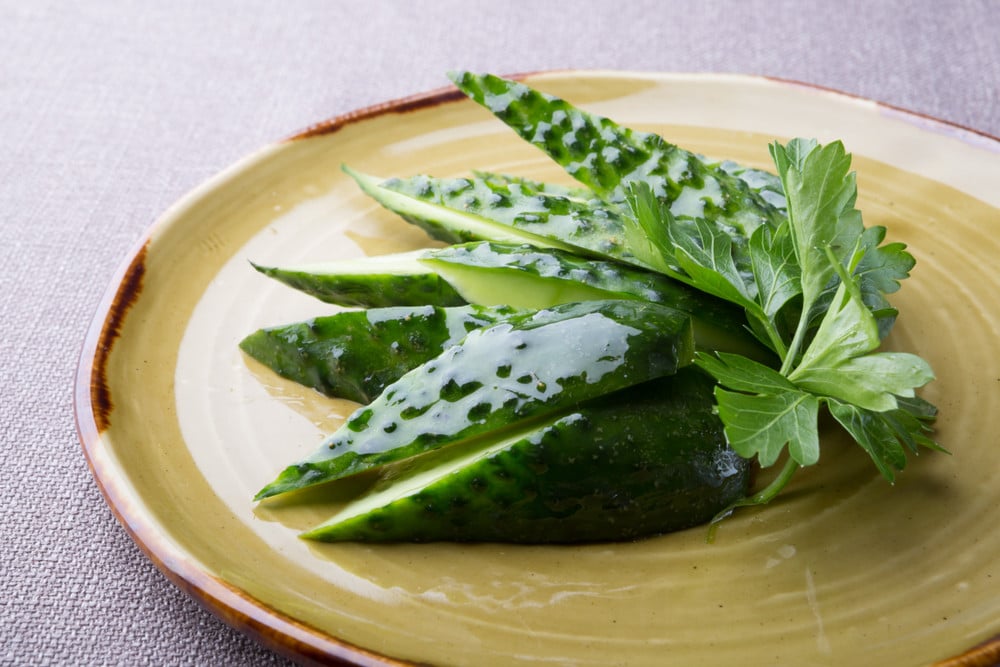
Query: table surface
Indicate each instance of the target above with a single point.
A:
(109, 112)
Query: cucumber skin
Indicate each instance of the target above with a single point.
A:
(572, 217)
(643, 461)
(370, 290)
(356, 354)
(499, 376)
(606, 156)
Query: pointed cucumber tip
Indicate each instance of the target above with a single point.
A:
(264, 493)
(460, 77)
(369, 184)
(260, 268)
(247, 344)
(314, 533)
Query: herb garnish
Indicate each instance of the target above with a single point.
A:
(812, 290)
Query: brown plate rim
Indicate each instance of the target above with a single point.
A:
(275, 630)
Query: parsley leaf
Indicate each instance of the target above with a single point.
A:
(775, 270)
(814, 288)
(762, 424)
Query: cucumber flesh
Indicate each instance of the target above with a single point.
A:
(370, 282)
(447, 224)
(520, 276)
(489, 273)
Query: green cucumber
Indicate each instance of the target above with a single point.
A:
(483, 273)
(418, 201)
(607, 157)
(522, 276)
(486, 273)
(505, 209)
(646, 460)
(499, 377)
(527, 277)
(369, 282)
(356, 354)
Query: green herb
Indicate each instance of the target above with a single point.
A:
(813, 290)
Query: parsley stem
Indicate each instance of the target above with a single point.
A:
(768, 493)
(793, 349)
(772, 334)
(762, 497)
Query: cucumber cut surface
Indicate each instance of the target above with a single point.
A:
(370, 282)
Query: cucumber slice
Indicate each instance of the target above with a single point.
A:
(499, 377)
(487, 273)
(371, 282)
(519, 276)
(418, 201)
(527, 277)
(642, 461)
(504, 209)
(356, 354)
(607, 157)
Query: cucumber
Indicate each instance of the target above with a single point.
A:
(499, 377)
(424, 202)
(527, 277)
(523, 277)
(645, 460)
(505, 209)
(487, 273)
(356, 354)
(369, 282)
(481, 272)
(607, 157)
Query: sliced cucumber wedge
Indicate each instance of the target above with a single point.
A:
(356, 354)
(499, 378)
(370, 282)
(519, 276)
(642, 461)
(607, 157)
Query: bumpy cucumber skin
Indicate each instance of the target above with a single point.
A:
(499, 376)
(356, 354)
(572, 217)
(368, 290)
(609, 279)
(606, 156)
(647, 460)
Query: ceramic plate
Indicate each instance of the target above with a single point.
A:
(844, 569)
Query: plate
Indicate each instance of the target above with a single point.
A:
(180, 429)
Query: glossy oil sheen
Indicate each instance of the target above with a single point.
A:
(843, 570)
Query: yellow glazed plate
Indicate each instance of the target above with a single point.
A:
(844, 569)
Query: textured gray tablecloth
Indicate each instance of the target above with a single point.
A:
(110, 111)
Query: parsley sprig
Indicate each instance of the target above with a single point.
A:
(813, 288)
